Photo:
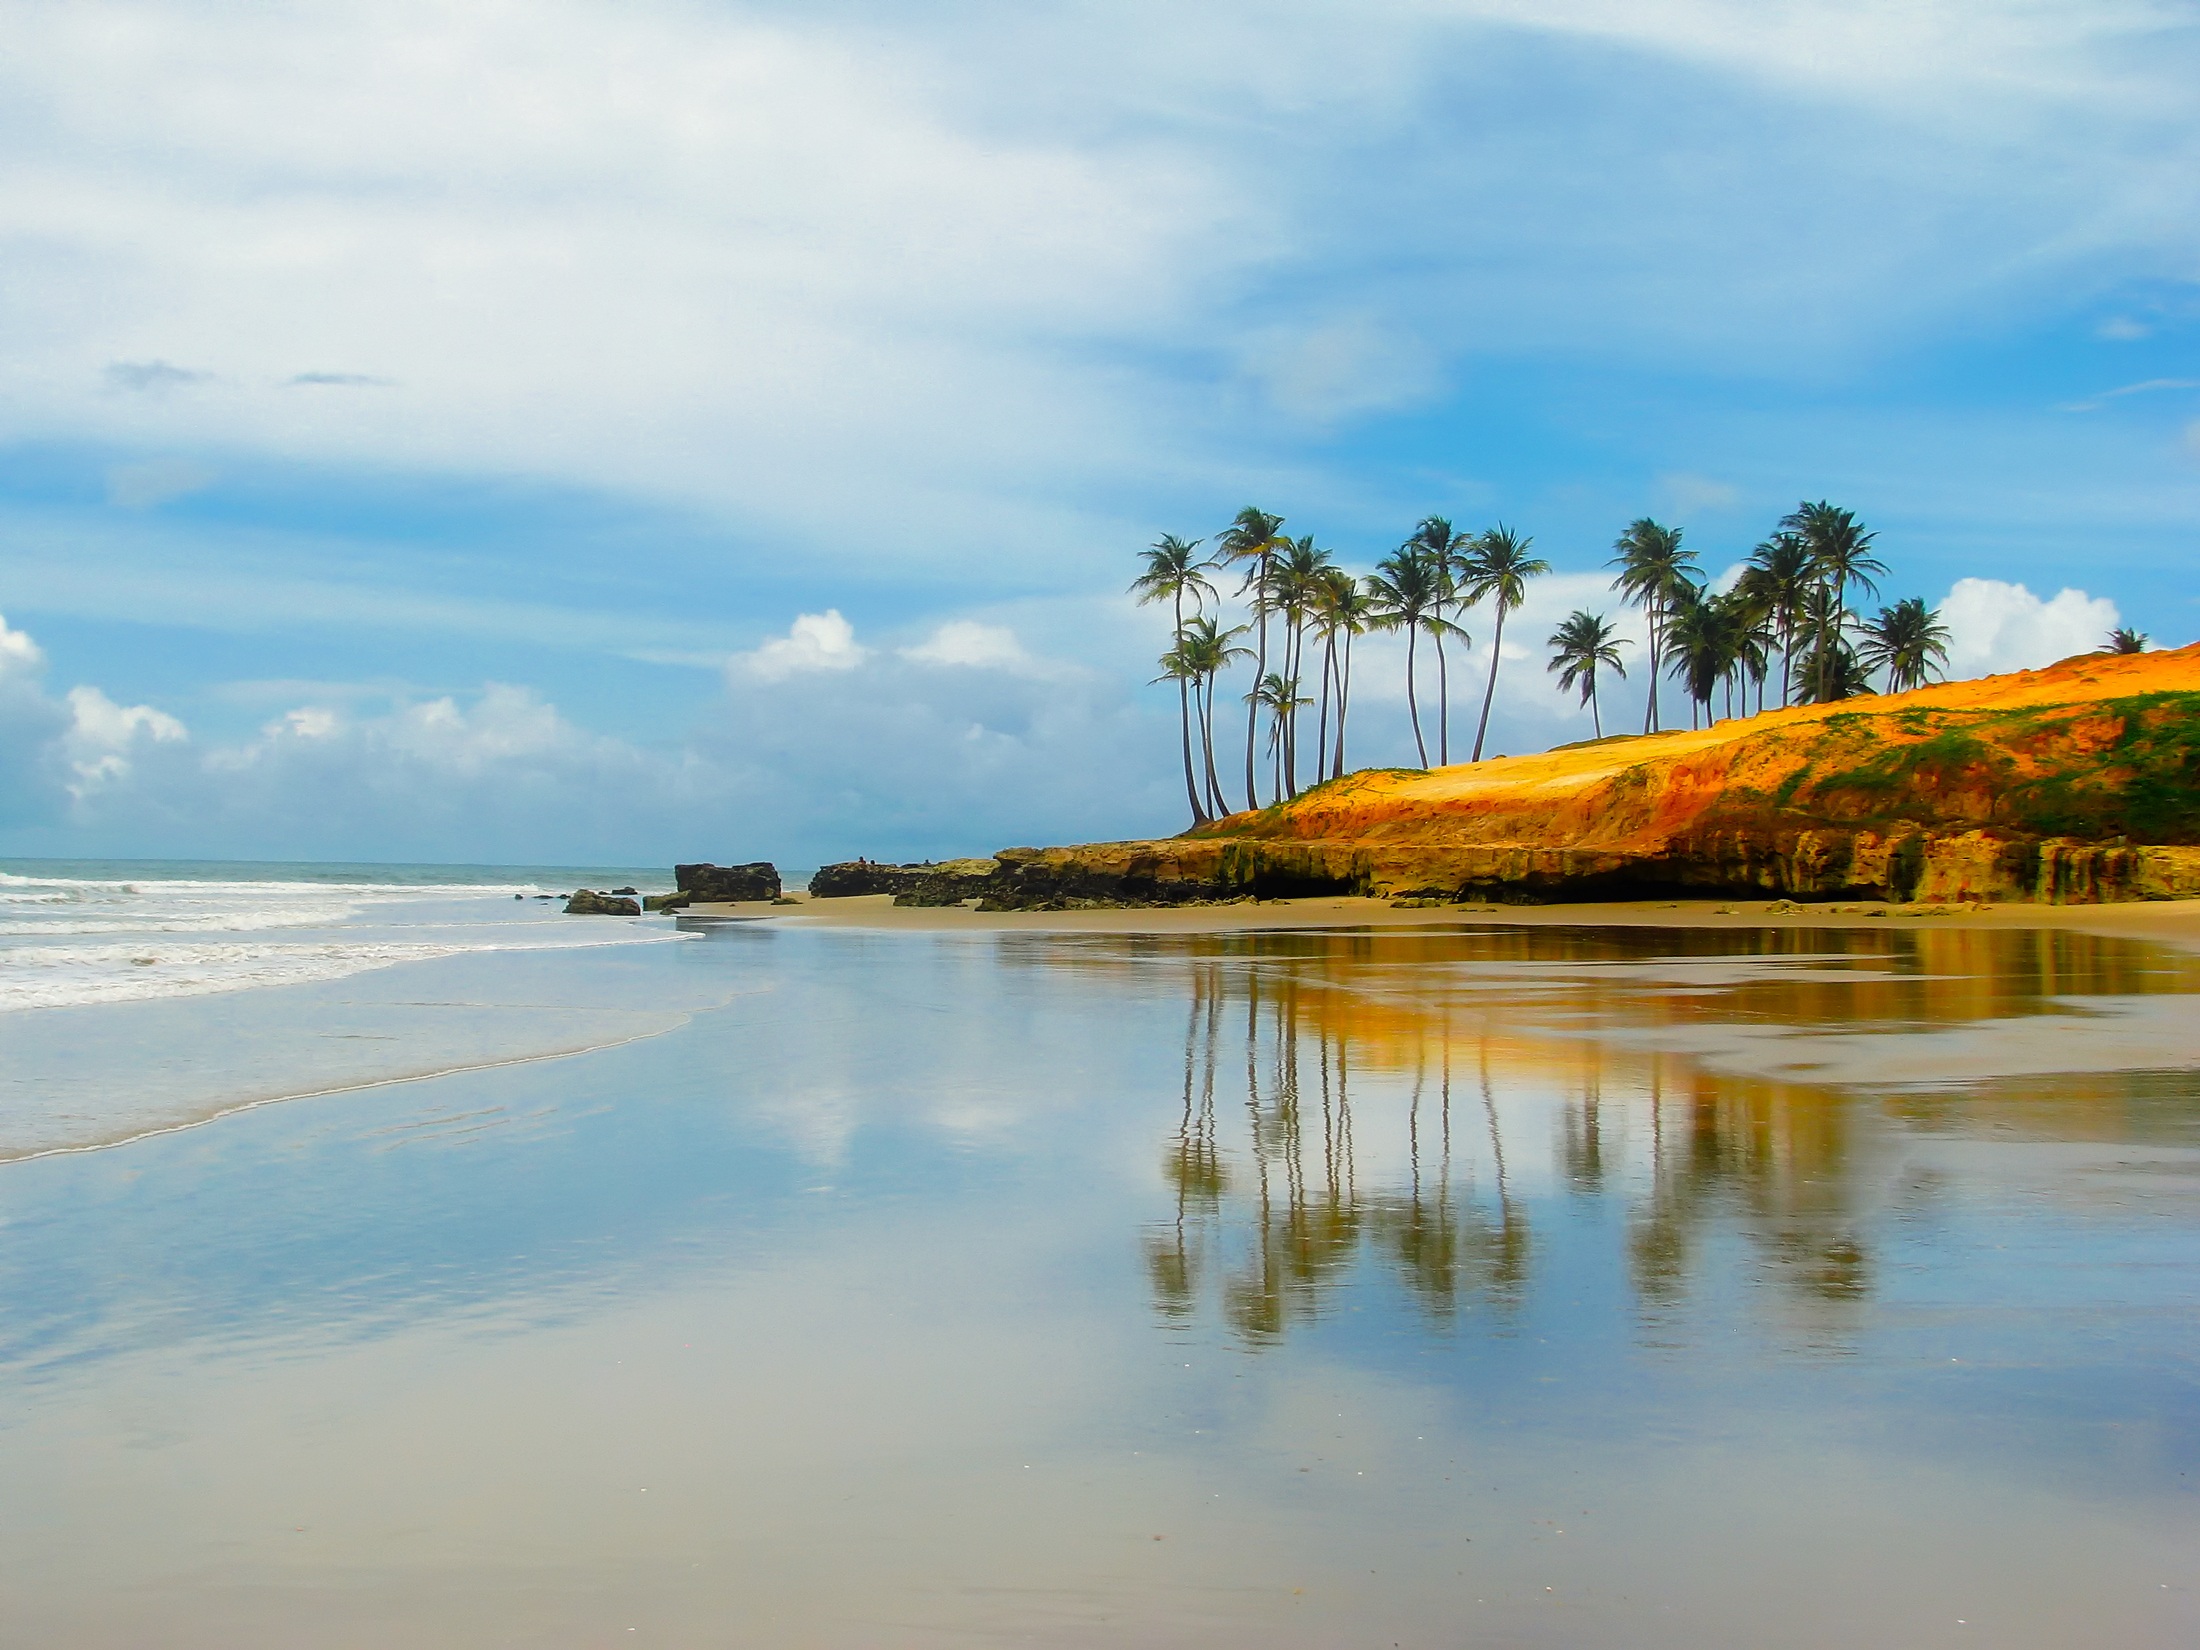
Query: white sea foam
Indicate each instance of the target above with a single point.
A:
(87, 940)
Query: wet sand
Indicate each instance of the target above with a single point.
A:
(2174, 922)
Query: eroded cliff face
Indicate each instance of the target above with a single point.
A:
(2076, 783)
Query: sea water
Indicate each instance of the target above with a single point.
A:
(769, 1285)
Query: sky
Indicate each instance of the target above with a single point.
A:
(583, 432)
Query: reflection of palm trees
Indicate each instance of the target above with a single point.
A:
(1351, 1040)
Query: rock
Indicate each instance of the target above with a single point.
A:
(666, 902)
(629, 892)
(862, 876)
(727, 884)
(586, 902)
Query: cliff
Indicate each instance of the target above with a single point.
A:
(2075, 783)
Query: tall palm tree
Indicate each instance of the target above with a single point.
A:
(1296, 578)
(1654, 574)
(1405, 592)
(1173, 571)
(1251, 542)
(1448, 552)
(1908, 642)
(1580, 647)
(1208, 650)
(1840, 555)
(1498, 569)
(1353, 611)
(2124, 639)
(1779, 575)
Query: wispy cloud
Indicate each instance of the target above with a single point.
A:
(2145, 387)
(337, 380)
(151, 377)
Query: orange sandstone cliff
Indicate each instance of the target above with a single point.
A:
(2075, 783)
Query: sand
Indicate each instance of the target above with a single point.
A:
(2174, 922)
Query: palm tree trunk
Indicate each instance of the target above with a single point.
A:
(1344, 701)
(1489, 695)
(1413, 705)
(1260, 674)
(1207, 746)
(1596, 714)
(1184, 719)
(1650, 704)
(1184, 728)
(1443, 700)
(1290, 751)
(1321, 724)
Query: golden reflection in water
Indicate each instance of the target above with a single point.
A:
(1452, 1044)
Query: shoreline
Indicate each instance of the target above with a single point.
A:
(2174, 922)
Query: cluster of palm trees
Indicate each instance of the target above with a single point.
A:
(1787, 615)
(1305, 611)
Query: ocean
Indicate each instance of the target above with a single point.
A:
(401, 1262)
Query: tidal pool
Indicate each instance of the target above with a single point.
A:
(1458, 1286)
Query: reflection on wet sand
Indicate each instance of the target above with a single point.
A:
(1399, 1102)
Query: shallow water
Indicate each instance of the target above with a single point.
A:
(1504, 1286)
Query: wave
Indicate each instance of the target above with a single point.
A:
(68, 976)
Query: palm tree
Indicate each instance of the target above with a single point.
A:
(1778, 576)
(1174, 570)
(1405, 591)
(1499, 567)
(1697, 648)
(1654, 573)
(2124, 639)
(1840, 555)
(1279, 696)
(1448, 552)
(1579, 647)
(1296, 577)
(1831, 669)
(1251, 541)
(1207, 650)
(1353, 612)
(1908, 642)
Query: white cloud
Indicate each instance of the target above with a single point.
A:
(803, 264)
(967, 643)
(104, 737)
(815, 641)
(20, 657)
(1995, 627)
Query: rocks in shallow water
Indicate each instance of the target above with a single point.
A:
(666, 902)
(586, 902)
(723, 884)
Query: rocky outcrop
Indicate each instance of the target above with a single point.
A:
(2073, 784)
(945, 882)
(727, 884)
(667, 902)
(586, 902)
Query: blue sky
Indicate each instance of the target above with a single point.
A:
(419, 423)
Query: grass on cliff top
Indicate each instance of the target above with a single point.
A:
(2110, 768)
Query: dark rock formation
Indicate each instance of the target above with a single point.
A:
(946, 882)
(586, 902)
(725, 884)
(666, 902)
